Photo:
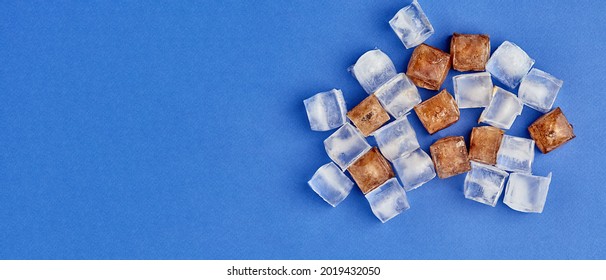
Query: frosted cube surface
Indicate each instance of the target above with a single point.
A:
(539, 90)
(484, 183)
(346, 145)
(503, 109)
(414, 169)
(373, 69)
(411, 25)
(331, 184)
(515, 154)
(509, 63)
(326, 110)
(473, 90)
(388, 200)
(398, 96)
(396, 139)
(526, 192)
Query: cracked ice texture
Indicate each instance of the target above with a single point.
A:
(539, 90)
(516, 154)
(396, 139)
(398, 96)
(509, 63)
(346, 145)
(373, 69)
(388, 200)
(411, 25)
(473, 90)
(503, 109)
(526, 192)
(326, 110)
(414, 169)
(484, 183)
(331, 184)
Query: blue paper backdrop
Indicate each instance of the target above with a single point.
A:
(176, 130)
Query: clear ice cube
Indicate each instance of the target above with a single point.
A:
(516, 154)
(398, 96)
(526, 192)
(388, 200)
(326, 110)
(396, 139)
(509, 63)
(346, 145)
(331, 184)
(503, 109)
(411, 25)
(473, 90)
(539, 90)
(484, 183)
(414, 169)
(373, 69)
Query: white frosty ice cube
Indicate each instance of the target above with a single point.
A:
(509, 63)
(398, 96)
(411, 25)
(414, 169)
(388, 200)
(473, 90)
(526, 192)
(539, 90)
(484, 183)
(503, 109)
(515, 154)
(373, 69)
(326, 110)
(331, 184)
(396, 139)
(346, 145)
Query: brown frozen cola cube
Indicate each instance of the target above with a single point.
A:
(428, 67)
(449, 156)
(438, 112)
(371, 170)
(551, 131)
(368, 115)
(484, 144)
(469, 52)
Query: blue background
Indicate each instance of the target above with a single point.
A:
(177, 130)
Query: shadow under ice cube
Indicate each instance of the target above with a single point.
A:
(411, 25)
(346, 145)
(388, 200)
(509, 63)
(503, 109)
(398, 96)
(331, 184)
(373, 69)
(526, 192)
(326, 110)
(484, 183)
(414, 169)
(516, 154)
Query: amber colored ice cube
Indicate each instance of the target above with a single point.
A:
(438, 112)
(551, 131)
(449, 156)
(368, 115)
(469, 52)
(371, 170)
(484, 144)
(428, 67)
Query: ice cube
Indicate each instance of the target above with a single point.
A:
(373, 69)
(449, 155)
(473, 90)
(484, 144)
(539, 90)
(398, 96)
(503, 109)
(388, 200)
(368, 115)
(438, 112)
(428, 67)
(526, 192)
(331, 184)
(484, 183)
(414, 169)
(326, 110)
(551, 131)
(346, 145)
(411, 25)
(370, 171)
(509, 63)
(396, 139)
(515, 154)
(469, 52)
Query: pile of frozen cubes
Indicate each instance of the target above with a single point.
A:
(493, 156)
